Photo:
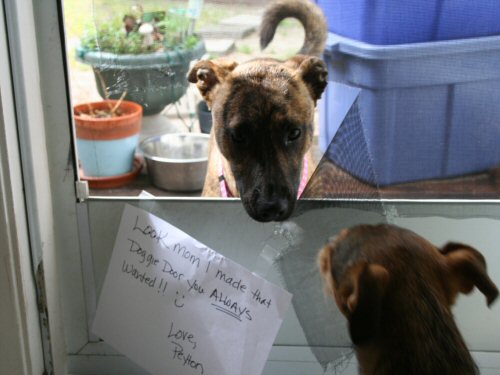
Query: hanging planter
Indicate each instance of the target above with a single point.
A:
(153, 80)
(146, 55)
(107, 135)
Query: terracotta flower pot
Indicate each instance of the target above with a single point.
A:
(106, 146)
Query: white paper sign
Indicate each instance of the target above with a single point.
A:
(174, 306)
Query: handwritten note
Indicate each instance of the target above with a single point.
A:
(174, 306)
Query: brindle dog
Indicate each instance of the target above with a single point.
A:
(263, 113)
(396, 290)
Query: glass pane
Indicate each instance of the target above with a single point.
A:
(109, 59)
(407, 113)
(313, 335)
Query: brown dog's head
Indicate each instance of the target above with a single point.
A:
(383, 272)
(263, 113)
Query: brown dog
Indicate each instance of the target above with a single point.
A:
(396, 289)
(263, 113)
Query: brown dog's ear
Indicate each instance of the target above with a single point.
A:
(325, 268)
(208, 74)
(313, 72)
(468, 270)
(360, 295)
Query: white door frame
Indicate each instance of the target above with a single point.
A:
(20, 338)
(37, 193)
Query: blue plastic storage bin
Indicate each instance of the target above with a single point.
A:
(428, 110)
(411, 21)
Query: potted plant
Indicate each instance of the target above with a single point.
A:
(145, 54)
(107, 135)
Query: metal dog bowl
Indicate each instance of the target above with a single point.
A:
(177, 161)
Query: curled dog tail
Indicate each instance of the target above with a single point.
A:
(310, 16)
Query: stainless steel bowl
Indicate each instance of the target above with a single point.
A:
(177, 161)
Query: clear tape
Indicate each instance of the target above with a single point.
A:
(146, 195)
(340, 364)
(265, 261)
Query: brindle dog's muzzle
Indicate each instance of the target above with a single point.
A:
(270, 202)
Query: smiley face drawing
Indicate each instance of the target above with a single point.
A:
(177, 303)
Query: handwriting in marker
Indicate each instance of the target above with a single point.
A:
(195, 287)
(169, 270)
(144, 256)
(226, 311)
(182, 335)
(187, 360)
(143, 277)
(183, 308)
(256, 295)
(227, 303)
(232, 281)
(162, 287)
(150, 232)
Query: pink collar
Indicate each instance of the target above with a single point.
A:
(226, 192)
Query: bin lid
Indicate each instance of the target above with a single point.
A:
(338, 44)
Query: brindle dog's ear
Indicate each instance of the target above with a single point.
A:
(208, 74)
(313, 72)
(362, 292)
(468, 270)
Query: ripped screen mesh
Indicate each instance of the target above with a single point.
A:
(323, 325)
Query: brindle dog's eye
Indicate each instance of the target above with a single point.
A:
(237, 137)
(294, 134)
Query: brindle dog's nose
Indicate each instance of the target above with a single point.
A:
(271, 204)
(273, 211)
